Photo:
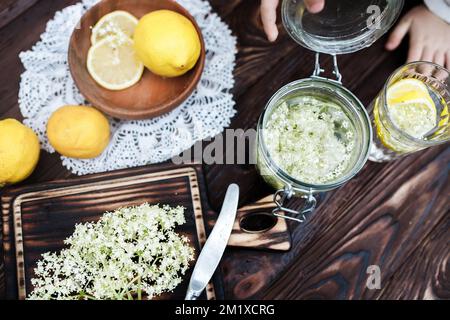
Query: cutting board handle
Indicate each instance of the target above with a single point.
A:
(257, 228)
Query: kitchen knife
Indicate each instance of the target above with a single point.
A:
(214, 248)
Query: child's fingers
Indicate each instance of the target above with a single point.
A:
(427, 54)
(415, 52)
(269, 18)
(315, 6)
(416, 48)
(398, 34)
(439, 58)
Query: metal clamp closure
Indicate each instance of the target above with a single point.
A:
(280, 198)
(318, 70)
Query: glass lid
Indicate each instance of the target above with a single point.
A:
(343, 26)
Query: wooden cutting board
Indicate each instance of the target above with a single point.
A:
(37, 218)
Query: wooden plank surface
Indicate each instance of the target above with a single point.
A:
(11, 9)
(393, 215)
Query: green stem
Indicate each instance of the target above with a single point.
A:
(83, 295)
(124, 291)
(140, 289)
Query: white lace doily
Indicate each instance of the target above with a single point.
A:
(47, 85)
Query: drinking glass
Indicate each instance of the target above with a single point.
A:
(411, 111)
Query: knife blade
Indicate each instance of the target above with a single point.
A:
(212, 252)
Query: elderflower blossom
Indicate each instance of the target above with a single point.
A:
(128, 254)
(312, 140)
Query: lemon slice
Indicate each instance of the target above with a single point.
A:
(113, 64)
(118, 24)
(407, 90)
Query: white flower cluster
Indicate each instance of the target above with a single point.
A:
(312, 140)
(132, 253)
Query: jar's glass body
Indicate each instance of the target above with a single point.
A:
(278, 177)
(391, 140)
(344, 133)
(343, 26)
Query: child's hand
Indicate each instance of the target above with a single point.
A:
(269, 14)
(429, 37)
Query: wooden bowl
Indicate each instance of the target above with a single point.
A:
(153, 95)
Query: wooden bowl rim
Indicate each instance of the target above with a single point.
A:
(163, 109)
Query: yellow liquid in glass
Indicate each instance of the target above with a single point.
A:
(416, 109)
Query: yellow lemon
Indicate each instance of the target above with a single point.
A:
(19, 151)
(78, 132)
(167, 42)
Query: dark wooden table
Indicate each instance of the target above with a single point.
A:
(393, 215)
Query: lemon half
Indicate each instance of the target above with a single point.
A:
(113, 64)
(117, 24)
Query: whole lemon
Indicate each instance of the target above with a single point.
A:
(167, 43)
(78, 132)
(19, 151)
